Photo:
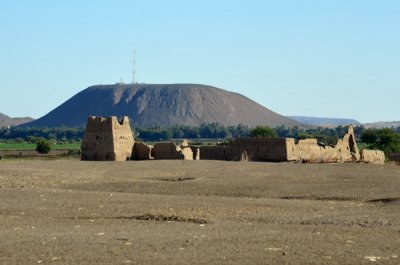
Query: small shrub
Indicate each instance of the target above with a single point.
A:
(43, 146)
(263, 131)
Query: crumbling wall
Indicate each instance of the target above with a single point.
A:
(186, 150)
(107, 139)
(309, 151)
(141, 151)
(347, 147)
(227, 153)
(256, 149)
(344, 151)
(213, 153)
(172, 151)
(331, 155)
(262, 149)
(372, 156)
(285, 149)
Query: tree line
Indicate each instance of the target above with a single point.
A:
(218, 131)
(387, 139)
(33, 134)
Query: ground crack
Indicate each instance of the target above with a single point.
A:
(385, 200)
(174, 179)
(318, 198)
(151, 217)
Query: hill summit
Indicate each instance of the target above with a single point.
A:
(162, 104)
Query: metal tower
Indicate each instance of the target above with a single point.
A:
(133, 67)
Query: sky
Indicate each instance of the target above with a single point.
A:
(331, 58)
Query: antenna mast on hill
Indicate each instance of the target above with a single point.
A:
(133, 67)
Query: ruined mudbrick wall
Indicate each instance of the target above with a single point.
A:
(285, 149)
(108, 139)
(257, 149)
(372, 156)
(344, 151)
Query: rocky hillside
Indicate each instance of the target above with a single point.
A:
(8, 121)
(163, 104)
(3, 116)
(382, 124)
(325, 122)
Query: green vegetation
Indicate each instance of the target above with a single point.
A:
(31, 135)
(43, 146)
(70, 146)
(387, 140)
(17, 138)
(205, 131)
(28, 146)
(263, 131)
(17, 146)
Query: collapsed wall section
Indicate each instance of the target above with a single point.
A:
(142, 151)
(347, 146)
(310, 151)
(106, 139)
(171, 151)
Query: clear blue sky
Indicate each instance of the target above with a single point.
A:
(328, 58)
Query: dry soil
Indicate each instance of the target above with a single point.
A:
(198, 212)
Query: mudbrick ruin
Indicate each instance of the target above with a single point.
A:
(109, 139)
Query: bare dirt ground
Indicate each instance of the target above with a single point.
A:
(198, 212)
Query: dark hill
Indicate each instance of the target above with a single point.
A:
(149, 104)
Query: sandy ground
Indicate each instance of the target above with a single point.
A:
(198, 212)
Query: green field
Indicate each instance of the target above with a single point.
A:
(25, 146)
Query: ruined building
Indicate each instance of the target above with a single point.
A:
(345, 150)
(107, 139)
(285, 149)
